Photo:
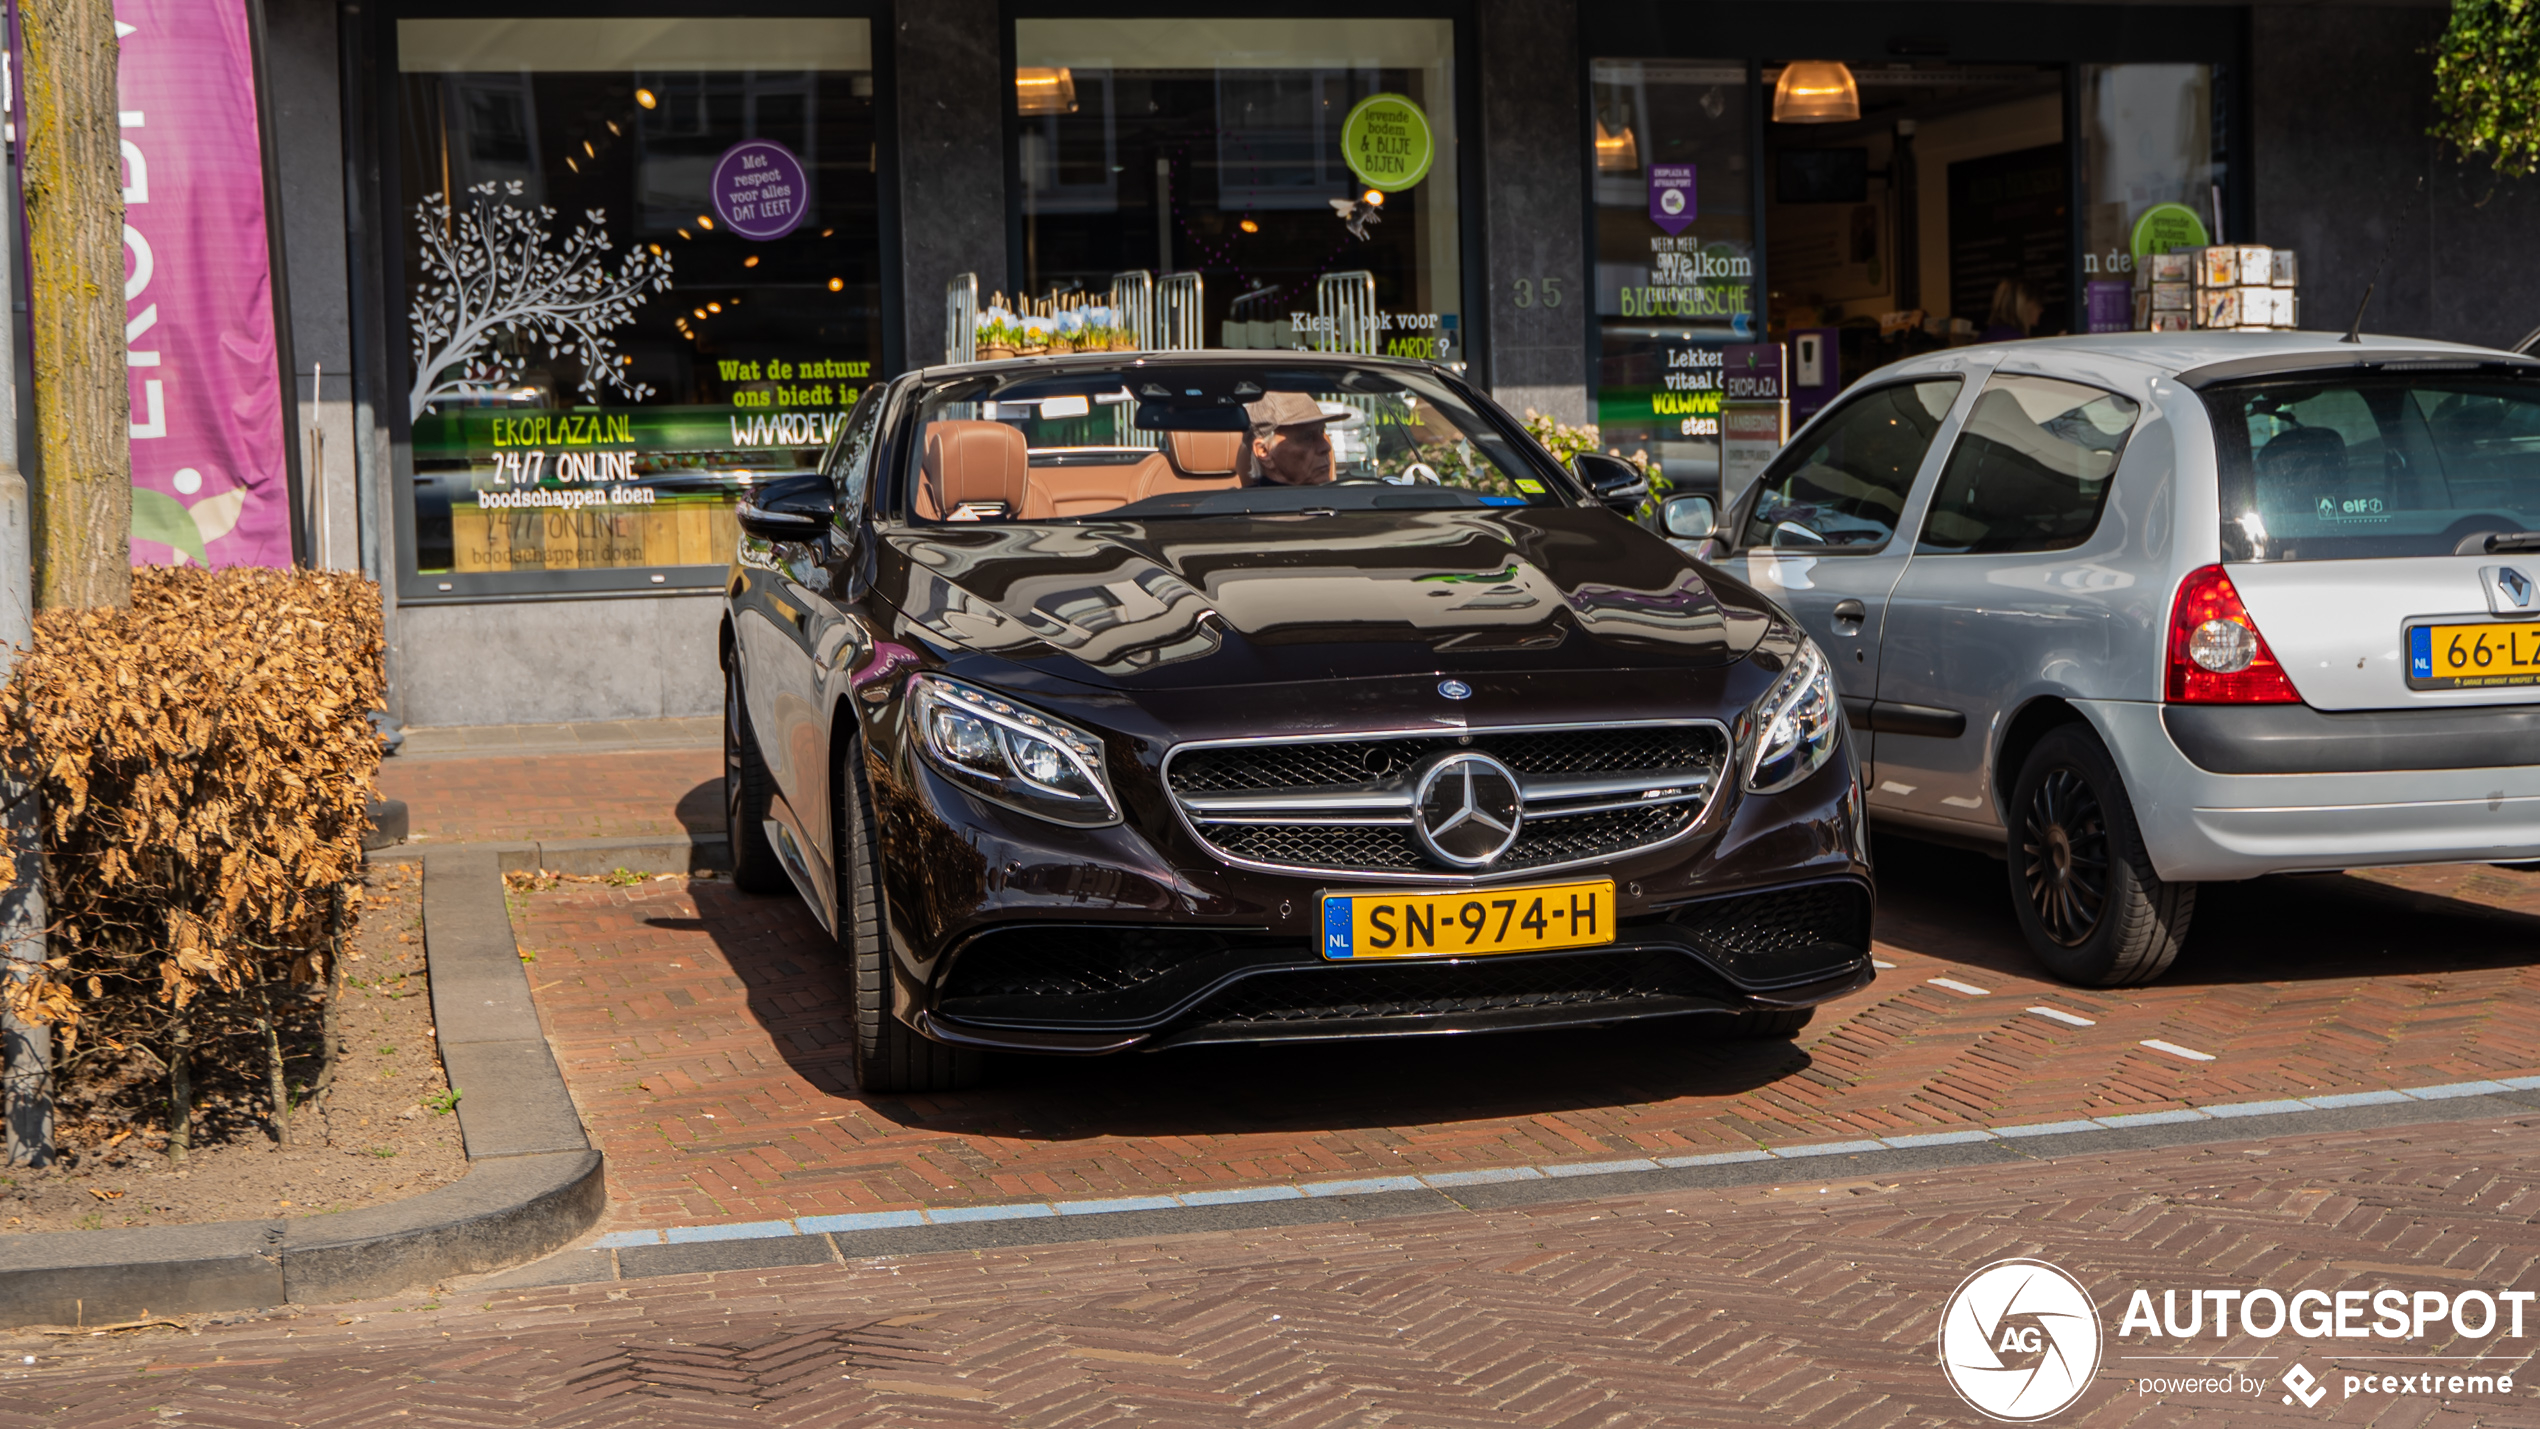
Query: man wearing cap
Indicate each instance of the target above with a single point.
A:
(1289, 446)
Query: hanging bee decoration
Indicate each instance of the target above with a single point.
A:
(1356, 214)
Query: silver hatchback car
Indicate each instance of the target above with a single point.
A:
(2139, 612)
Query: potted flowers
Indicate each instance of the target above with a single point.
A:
(998, 335)
(1072, 333)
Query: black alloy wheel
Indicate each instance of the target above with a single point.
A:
(2064, 856)
(2082, 884)
(748, 790)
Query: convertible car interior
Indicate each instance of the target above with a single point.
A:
(984, 471)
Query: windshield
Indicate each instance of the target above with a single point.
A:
(1141, 440)
(2385, 465)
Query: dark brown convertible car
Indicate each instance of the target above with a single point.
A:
(1151, 700)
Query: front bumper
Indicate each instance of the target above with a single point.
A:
(1106, 988)
(1009, 931)
(2199, 824)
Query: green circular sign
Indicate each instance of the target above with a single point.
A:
(2165, 226)
(1386, 142)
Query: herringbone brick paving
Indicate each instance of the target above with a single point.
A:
(1809, 1304)
(700, 1030)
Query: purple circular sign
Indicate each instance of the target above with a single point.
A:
(760, 189)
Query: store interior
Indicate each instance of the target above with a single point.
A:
(1912, 206)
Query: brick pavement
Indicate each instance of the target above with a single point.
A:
(699, 1028)
(1809, 1303)
(508, 797)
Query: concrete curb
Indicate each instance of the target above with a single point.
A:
(847, 1239)
(652, 853)
(533, 1181)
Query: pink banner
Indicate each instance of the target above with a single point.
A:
(208, 477)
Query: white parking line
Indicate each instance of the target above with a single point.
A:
(2175, 1050)
(1882, 963)
(1954, 985)
(2066, 1018)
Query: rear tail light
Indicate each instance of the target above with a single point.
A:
(2217, 656)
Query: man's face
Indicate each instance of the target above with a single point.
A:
(1295, 456)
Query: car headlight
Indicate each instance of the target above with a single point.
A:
(1792, 731)
(1012, 754)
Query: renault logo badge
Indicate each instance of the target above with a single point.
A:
(1455, 689)
(1466, 810)
(2510, 591)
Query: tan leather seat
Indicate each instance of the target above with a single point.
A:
(973, 463)
(1088, 490)
(1197, 461)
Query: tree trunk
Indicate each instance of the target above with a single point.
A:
(330, 1020)
(180, 1092)
(74, 217)
(277, 1086)
(26, 1048)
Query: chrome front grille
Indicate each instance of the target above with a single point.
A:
(1343, 805)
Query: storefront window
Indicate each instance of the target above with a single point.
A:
(1675, 257)
(2151, 167)
(1303, 170)
(641, 273)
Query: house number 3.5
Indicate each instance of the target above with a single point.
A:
(1551, 288)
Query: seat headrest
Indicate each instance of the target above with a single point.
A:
(1204, 454)
(970, 462)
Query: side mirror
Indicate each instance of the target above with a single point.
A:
(1611, 480)
(796, 508)
(1690, 518)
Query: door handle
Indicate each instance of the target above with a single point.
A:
(1848, 615)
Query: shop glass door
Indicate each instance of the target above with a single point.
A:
(1675, 257)
(2152, 168)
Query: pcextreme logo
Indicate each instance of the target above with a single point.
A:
(2019, 1341)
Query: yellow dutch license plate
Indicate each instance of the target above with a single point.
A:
(2473, 655)
(1472, 923)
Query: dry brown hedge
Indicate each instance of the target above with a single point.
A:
(205, 761)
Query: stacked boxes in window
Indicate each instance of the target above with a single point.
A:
(2170, 293)
(2244, 287)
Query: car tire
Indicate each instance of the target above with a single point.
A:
(888, 1054)
(1759, 1026)
(2082, 884)
(748, 790)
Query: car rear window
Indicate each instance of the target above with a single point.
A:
(2390, 464)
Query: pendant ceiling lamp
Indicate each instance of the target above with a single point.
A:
(1816, 92)
(1616, 153)
(1044, 91)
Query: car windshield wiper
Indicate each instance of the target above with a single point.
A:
(2513, 541)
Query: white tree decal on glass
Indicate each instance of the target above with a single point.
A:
(489, 272)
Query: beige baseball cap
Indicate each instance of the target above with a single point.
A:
(1284, 409)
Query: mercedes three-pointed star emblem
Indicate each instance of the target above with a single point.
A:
(1467, 810)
